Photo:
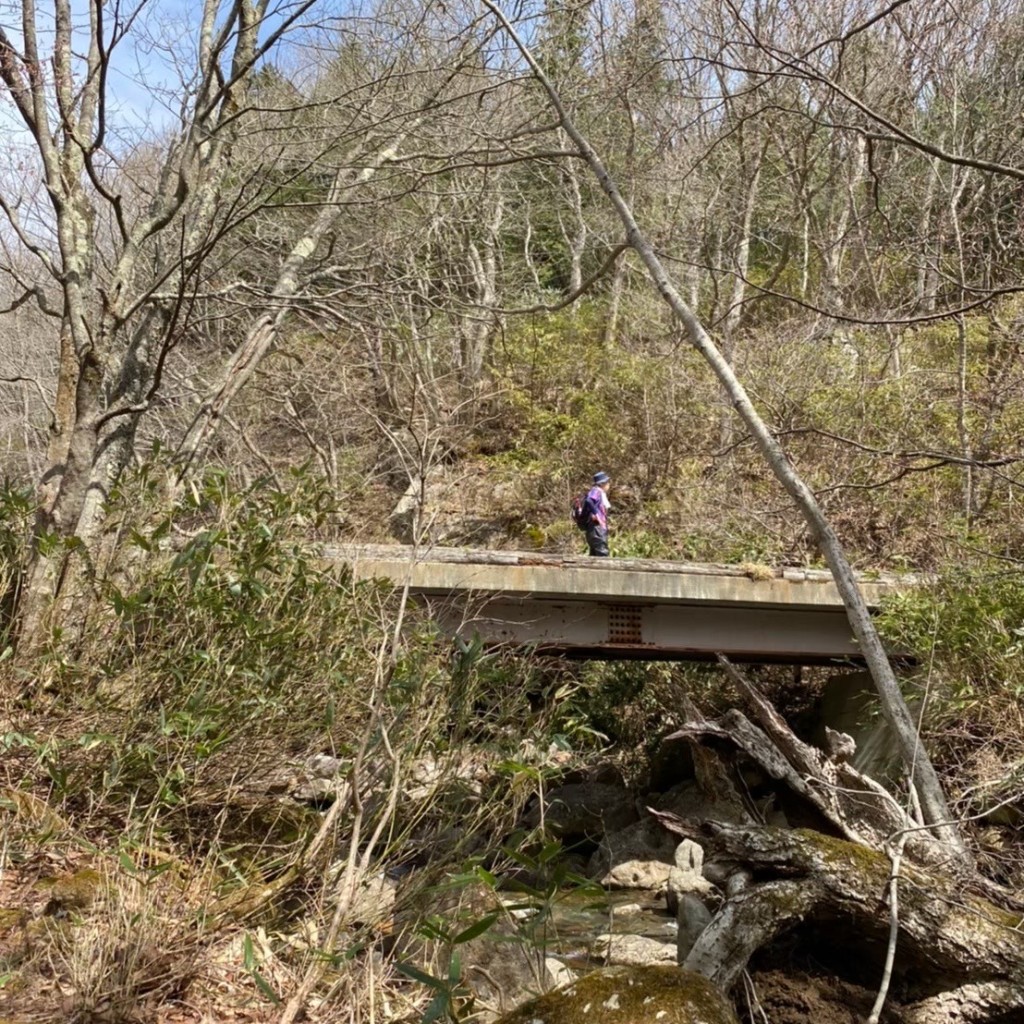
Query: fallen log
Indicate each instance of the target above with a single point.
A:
(960, 957)
(954, 941)
(856, 806)
(865, 899)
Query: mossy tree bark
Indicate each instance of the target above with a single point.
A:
(961, 958)
(121, 274)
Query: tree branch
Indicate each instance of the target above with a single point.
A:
(569, 299)
(893, 705)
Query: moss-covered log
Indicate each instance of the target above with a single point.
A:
(960, 958)
(959, 952)
(854, 805)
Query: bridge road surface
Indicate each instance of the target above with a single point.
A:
(611, 608)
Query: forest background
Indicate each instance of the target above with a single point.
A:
(275, 275)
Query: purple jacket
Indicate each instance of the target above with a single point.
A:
(598, 505)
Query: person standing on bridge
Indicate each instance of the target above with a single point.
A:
(597, 507)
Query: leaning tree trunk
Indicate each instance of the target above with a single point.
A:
(915, 760)
(263, 334)
(859, 896)
(93, 443)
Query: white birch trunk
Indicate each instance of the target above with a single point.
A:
(576, 238)
(734, 314)
(483, 261)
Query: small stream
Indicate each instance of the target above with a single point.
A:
(576, 918)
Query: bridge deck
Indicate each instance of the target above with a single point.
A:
(620, 608)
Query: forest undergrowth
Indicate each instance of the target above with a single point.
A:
(255, 776)
(254, 783)
(173, 848)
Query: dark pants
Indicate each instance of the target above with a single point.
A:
(597, 539)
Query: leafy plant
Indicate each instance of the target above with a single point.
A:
(965, 633)
(16, 510)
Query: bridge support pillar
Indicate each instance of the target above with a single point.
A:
(850, 704)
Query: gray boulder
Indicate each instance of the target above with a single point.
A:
(634, 950)
(639, 856)
(501, 967)
(503, 970)
(687, 875)
(693, 917)
(589, 809)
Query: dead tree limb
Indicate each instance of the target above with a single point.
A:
(959, 954)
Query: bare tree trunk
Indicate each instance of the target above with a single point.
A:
(264, 332)
(484, 266)
(115, 330)
(576, 236)
(98, 441)
(734, 314)
(611, 324)
(962, 397)
(915, 759)
(805, 255)
(926, 284)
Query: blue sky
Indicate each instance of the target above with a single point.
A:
(148, 66)
(144, 88)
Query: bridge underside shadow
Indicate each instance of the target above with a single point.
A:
(581, 630)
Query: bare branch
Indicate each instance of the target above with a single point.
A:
(801, 67)
(893, 704)
(569, 299)
(46, 400)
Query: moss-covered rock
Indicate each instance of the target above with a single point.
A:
(630, 995)
(71, 892)
(10, 919)
(14, 939)
(255, 834)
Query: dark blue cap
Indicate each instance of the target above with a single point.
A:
(601, 478)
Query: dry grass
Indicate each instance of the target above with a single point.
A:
(91, 936)
(116, 907)
(131, 952)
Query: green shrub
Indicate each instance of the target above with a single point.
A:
(228, 648)
(16, 511)
(967, 633)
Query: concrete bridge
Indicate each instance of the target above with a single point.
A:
(615, 608)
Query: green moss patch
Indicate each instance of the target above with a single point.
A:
(630, 995)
